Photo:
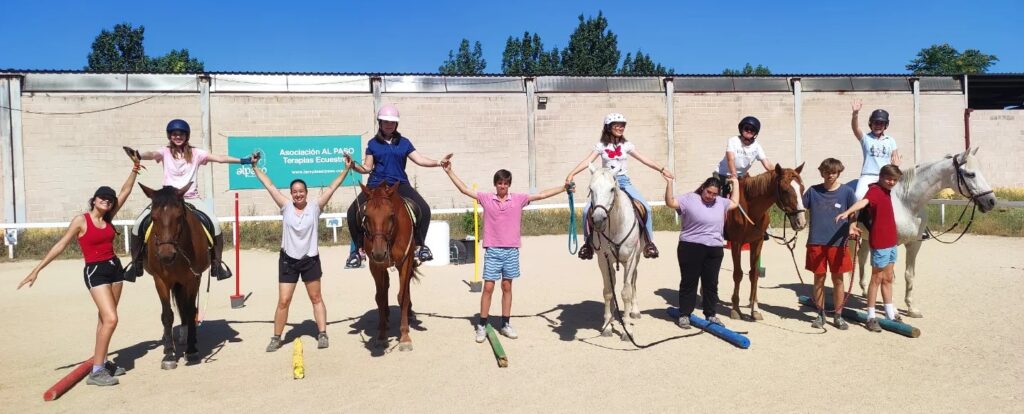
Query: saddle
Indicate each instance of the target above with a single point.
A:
(410, 206)
(146, 225)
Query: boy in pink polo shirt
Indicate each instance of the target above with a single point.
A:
(503, 214)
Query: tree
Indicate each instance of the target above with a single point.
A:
(118, 51)
(642, 65)
(945, 60)
(466, 62)
(527, 57)
(592, 49)
(122, 51)
(176, 61)
(747, 71)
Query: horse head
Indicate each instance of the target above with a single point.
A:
(970, 182)
(602, 196)
(379, 221)
(790, 190)
(168, 216)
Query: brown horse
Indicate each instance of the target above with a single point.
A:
(388, 240)
(177, 254)
(781, 187)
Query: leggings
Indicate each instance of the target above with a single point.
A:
(698, 263)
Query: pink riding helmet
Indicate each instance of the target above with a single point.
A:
(388, 112)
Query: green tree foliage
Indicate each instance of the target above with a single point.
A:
(526, 56)
(945, 60)
(748, 71)
(592, 49)
(642, 65)
(122, 50)
(466, 62)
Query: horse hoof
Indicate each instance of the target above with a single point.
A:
(379, 343)
(168, 364)
(606, 333)
(405, 347)
(735, 315)
(756, 316)
(192, 357)
(914, 313)
(634, 315)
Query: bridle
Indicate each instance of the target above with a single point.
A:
(961, 185)
(388, 236)
(961, 182)
(174, 241)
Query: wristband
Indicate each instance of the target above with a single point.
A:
(245, 161)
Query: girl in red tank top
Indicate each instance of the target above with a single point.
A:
(103, 273)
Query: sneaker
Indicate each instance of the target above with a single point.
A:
(481, 333)
(101, 378)
(508, 331)
(713, 320)
(354, 261)
(819, 321)
(873, 325)
(424, 254)
(586, 252)
(651, 251)
(113, 369)
(322, 341)
(840, 323)
(684, 322)
(275, 343)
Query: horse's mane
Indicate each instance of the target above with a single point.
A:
(759, 185)
(165, 196)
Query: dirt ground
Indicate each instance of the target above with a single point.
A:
(968, 357)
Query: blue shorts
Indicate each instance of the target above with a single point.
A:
(501, 263)
(883, 257)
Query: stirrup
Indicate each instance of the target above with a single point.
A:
(424, 254)
(354, 261)
(220, 270)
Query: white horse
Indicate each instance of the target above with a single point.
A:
(910, 199)
(616, 240)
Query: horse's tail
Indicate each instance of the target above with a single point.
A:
(416, 274)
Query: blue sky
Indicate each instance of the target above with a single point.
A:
(409, 36)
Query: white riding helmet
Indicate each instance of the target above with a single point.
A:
(614, 117)
(388, 112)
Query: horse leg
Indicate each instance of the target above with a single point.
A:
(755, 274)
(381, 282)
(405, 305)
(737, 277)
(191, 352)
(170, 360)
(606, 275)
(862, 259)
(912, 249)
(634, 311)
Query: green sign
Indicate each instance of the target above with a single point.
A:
(317, 160)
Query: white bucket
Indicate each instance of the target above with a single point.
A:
(438, 239)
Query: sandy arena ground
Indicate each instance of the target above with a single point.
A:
(969, 356)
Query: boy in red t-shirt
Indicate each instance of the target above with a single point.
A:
(882, 239)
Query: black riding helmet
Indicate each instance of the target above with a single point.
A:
(178, 125)
(879, 115)
(752, 122)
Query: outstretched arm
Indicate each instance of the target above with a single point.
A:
(546, 193)
(646, 161)
(458, 183)
(329, 191)
(427, 162)
(76, 228)
(670, 200)
(126, 189)
(853, 121)
(579, 167)
(225, 159)
(275, 194)
(853, 209)
(734, 197)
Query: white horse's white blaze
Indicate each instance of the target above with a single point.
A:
(618, 226)
(910, 199)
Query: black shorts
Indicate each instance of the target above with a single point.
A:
(106, 272)
(290, 270)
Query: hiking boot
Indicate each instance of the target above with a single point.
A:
(101, 378)
(354, 261)
(113, 369)
(481, 333)
(819, 321)
(275, 343)
(586, 252)
(424, 254)
(683, 322)
(873, 326)
(322, 341)
(220, 270)
(508, 331)
(651, 251)
(713, 320)
(840, 323)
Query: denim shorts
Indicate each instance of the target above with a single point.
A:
(501, 263)
(883, 257)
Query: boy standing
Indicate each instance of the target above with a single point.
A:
(883, 240)
(503, 213)
(826, 244)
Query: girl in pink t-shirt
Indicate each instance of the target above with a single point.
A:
(503, 212)
(181, 163)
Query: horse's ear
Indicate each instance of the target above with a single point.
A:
(591, 167)
(180, 193)
(363, 187)
(778, 170)
(798, 169)
(392, 189)
(146, 190)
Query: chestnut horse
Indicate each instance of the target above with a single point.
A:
(388, 241)
(781, 187)
(177, 255)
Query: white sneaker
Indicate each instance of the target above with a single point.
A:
(481, 334)
(509, 332)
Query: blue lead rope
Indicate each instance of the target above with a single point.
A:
(574, 244)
